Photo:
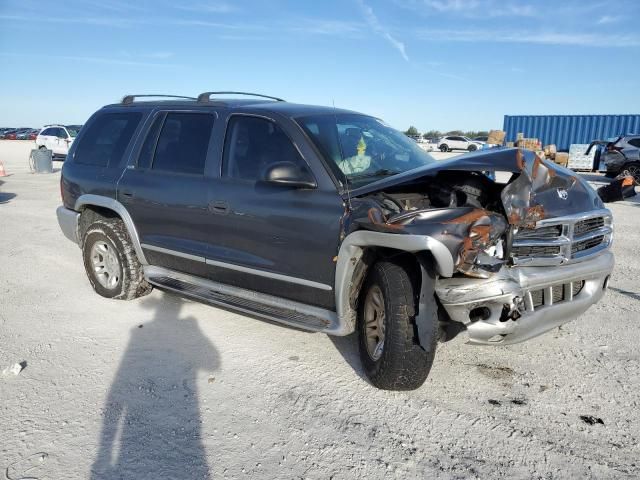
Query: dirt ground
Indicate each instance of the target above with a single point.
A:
(166, 388)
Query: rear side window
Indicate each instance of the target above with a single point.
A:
(46, 131)
(635, 142)
(183, 143)
(252, 144)
(106, 139)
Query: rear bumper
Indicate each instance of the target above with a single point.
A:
(68, 221)
(542, 298)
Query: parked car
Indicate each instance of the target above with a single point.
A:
(57, 138)
(456, 142)
(620, 154)
(26, 134)
(330, 221)
(10, 134)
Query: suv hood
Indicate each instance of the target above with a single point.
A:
(540, 190)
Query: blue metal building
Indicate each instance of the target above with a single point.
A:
(563, 130)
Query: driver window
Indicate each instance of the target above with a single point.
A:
(253, 144)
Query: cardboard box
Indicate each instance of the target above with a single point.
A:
(550, 151)
(562, 158)
(496, 137)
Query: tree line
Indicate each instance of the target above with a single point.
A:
(413, 132)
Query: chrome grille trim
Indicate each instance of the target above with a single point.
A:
(577, 238)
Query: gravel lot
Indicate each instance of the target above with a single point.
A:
(167, 388)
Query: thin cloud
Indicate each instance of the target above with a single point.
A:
(101, 21)
(606, 19)
(212, 7)
(471, 8)
(375, 25)
(544, 38)
(99, 60)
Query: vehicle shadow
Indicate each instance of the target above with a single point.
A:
(6, 197)
(626, 293)
(151, 418)
(348, 348)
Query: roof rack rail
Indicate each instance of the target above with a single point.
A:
(204, 97)
(127, 99)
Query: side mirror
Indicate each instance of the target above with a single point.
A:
(288, 174)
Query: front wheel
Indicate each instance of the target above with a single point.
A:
(390, 351)
(634, 169)
(444, 148)
(472, 148)
(111, 262)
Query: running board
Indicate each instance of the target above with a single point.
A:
(282, 310)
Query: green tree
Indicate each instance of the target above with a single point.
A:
(455, 132)
(412, 131)
(432, 134)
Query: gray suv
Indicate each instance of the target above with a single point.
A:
(331, 221)
(623, 154)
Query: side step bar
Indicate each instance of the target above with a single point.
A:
(282, 310)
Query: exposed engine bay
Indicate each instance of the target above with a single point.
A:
(475, 217)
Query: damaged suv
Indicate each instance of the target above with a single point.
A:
(331, 221)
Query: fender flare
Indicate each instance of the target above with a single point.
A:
(352, 249)
(114, 205)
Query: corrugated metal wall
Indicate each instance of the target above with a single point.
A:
(563, 130)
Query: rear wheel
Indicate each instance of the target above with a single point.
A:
(390, 351)
(110, 261)
(634, 169)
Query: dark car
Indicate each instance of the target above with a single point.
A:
(619, 154)
(330, 221)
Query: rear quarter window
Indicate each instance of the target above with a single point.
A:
(635, 142)
(106, 139)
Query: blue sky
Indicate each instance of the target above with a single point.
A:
(440, 64)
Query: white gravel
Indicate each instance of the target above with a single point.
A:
(167, 388)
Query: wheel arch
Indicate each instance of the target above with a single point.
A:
(101, 206)
(359, 249)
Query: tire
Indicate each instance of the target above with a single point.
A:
(634, 169)
(611, 174)
(472, 148)
(444, 147)
(400, 362)
(106, 241)
(42, 147)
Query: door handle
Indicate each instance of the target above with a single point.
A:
(127, 194)
(220, 207)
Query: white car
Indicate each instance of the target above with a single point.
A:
(57, 138)
(454, 142)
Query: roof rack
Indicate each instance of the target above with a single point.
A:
(204, 97)
(128, 99)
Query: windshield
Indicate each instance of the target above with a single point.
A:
(73, 131)
(361, 149)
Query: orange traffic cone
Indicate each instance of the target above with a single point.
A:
(3, 173)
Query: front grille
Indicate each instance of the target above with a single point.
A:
(535, 251)
(587, 226)
(561, 241)
(586, 244)
(552, 231)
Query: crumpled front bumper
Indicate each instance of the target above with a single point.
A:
(543, 297)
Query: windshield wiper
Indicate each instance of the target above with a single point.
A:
(383, 172)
